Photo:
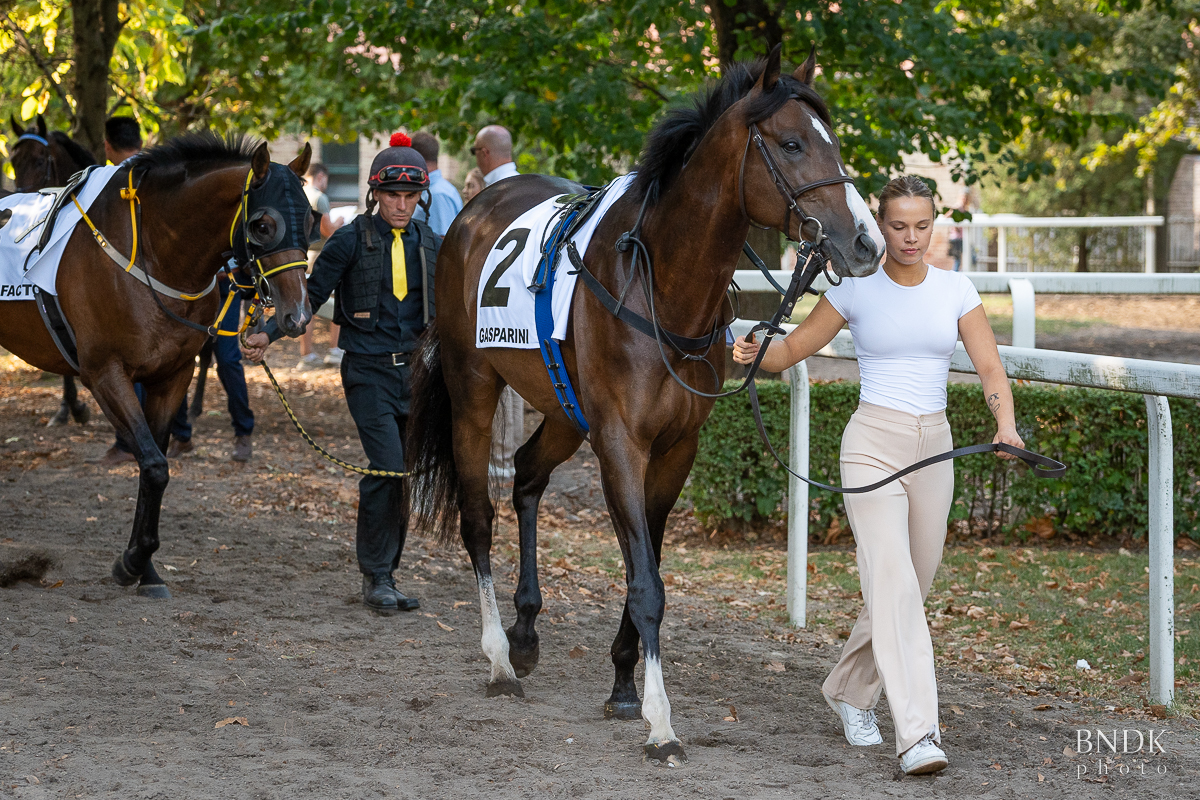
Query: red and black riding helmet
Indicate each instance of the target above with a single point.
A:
(398, 168)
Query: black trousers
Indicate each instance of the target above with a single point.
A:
(378, 395)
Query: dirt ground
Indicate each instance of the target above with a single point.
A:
(104, 694)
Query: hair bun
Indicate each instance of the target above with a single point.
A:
(400, 139)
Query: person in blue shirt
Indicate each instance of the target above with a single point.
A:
(382, 268)
(441, 198)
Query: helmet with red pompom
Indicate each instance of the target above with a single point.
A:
(398, 168)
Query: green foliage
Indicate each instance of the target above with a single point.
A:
(1100, 435)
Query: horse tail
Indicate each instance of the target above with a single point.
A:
(430, 437)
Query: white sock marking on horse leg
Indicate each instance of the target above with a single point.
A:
(656, 709)
(863, 218)
(494, 642)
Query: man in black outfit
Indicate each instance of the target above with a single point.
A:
(381, 267)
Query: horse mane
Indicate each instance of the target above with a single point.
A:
(78, 153)
(199, 151)
(672, 141)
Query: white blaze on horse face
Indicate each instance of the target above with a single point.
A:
(820, 126)
(656, 709)
(494, 641)
(864, 220)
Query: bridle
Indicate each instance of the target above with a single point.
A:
(50, 164)
(255, 249)
(790, 195)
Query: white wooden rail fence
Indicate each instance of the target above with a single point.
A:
(1156, 380)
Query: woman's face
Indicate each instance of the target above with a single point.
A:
(471, 188)
(907, 229)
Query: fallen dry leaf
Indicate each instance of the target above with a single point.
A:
(733, 715)
(462, 603)
(1017, 625)
(1043, 707)
(774, 666)
(1159, 711)
(956, 710)
(444, 626)
(72, 619)
(231, 721)
(577, 651)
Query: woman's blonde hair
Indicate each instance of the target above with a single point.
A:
(905, 186)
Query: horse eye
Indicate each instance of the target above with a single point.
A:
(791, 146)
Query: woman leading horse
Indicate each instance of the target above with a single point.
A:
(706, 174)
(182, 206)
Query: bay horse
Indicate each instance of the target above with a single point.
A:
(199, 196)
(42, 159)
(700, 184)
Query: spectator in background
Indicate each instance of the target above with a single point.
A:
(122, 138)
(440, 203)
(318, 182)
(493, 153)
(473, 185)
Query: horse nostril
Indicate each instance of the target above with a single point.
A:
(864, 247)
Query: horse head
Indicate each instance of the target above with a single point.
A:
(792, 176)
(276, 223)
(32, 161)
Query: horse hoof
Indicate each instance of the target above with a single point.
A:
(121, 575)
(669, 753)
(61, 417)
(82, 414)
(614, 709)
(504, 687)
(155, 591)
(523, 661)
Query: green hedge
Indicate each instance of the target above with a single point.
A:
(1100, 435)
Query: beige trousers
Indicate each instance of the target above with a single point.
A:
(899, 529)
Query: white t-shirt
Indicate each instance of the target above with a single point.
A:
(904, 335)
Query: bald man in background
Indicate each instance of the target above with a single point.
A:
(493, 153)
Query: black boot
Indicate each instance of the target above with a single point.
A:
(380, 595)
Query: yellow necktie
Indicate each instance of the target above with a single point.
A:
(399, 268)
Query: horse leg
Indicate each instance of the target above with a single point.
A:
(552, 444)
(147, 433)
(206, 357)
(624, 466)
(665, 477)
(70, 407)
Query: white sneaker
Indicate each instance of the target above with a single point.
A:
(859, 726)
(334, 359)
(923, 758)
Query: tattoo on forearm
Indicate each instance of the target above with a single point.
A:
(993, 403)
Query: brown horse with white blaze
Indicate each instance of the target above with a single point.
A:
(701, 183)
(199, 196)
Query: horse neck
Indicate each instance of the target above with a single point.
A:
(696, 231)
(188, 224)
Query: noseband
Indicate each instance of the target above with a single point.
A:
(790, 195)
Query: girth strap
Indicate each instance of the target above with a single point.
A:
(633, 319)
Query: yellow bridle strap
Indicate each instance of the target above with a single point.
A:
(281, 268)
(221, 316)
(241, 207)
(130, 194)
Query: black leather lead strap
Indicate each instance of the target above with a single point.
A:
(1043, 466)
(633, 319)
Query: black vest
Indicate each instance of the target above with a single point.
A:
(357, 302)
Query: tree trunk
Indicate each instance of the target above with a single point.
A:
(96, 26)
(1082, 265)
(758, 18)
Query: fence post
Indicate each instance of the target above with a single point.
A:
(1024, 318)
(797, 555)
(1001, 249)
(1162, 551)
(1150, 247)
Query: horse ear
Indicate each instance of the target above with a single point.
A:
(300, 163)
(770, 75)
(41, 123)
(808, 70)
(16, 126)
(260, 163)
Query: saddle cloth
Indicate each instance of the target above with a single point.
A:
(22, 265)
(504, 300)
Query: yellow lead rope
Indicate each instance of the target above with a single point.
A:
(378, 473)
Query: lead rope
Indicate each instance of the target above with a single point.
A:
(346, 465)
